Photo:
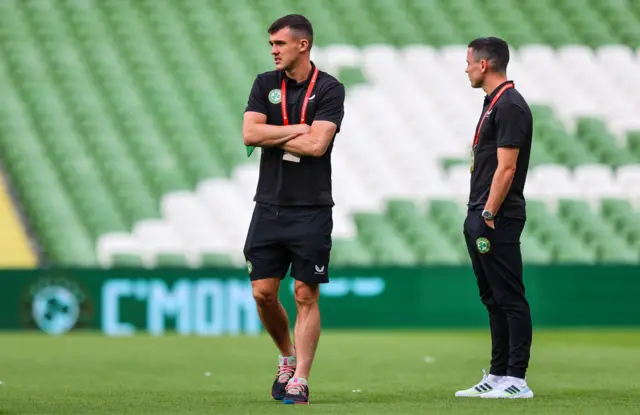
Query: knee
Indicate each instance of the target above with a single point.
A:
(265, 297)
(514, 304)
(306, 295)
(494, 310)
(486, 296)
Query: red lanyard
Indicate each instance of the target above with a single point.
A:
(283, 99)
(493, 102)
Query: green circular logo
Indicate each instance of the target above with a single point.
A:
(483, 245)
(249, 266)
(274, 96)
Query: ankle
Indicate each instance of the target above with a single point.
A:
(495, 378)
(299, 380)
(516, 380)
(288, 352)
(290, 360)
(301, 374)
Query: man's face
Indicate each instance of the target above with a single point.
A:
(285, 48)
(475, 69)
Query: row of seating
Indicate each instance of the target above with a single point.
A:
(568, 231)
(591, 143)
(120, 120)
(574, 232)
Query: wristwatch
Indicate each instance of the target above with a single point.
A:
(487, 215)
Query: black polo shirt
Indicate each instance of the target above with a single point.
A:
(308, 182)
(509, 124)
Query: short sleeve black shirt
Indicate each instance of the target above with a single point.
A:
(509, 124)
(307, 183)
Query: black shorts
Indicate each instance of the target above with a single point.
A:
(280, 237)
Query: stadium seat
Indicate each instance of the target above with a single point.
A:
(596, 181)
(350, 252)
(387, 247)
(121, 125)
(119, 249)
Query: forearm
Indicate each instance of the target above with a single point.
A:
(500, 185)
(265, 135)
(303, 145)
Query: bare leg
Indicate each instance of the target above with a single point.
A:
(272, 313)
(307, 329)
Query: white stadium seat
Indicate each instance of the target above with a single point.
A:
(157, 237)
(553, 182)
(112, 244)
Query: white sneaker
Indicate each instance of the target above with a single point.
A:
(510, 388)
(488, 384)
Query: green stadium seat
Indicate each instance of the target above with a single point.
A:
(399, 24)
(552, 142)
(633, 143)
(532, 251)
(537, 209)
(349, 252)
(594, 232)
(171, 261)
(549, 22)
(540, 155)
(617, 156)
(214, 259)
(429, 242)
(616, 210)
(321, 12)
(448, 214)
(624, 219)
(351, 77)
(569, 151)
(356, 20)
(127, 261)
(618, 253)
(384, 243)
(126, 182)
(436, 25)
(469, 17)
(600, 141)
(620, 18)
(552, 233)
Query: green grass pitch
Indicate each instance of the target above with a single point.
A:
(578, 372)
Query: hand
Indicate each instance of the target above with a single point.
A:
(490, 224)
(303, 129)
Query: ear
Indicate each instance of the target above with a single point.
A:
(304, 45)
(484, 65)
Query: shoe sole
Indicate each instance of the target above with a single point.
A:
(286, 402)
(468, 396)
(528, 395)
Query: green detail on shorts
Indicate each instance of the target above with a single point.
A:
(249, 266)
(483, 245)
(274, 96)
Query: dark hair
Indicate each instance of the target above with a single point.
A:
(493, 49)
(295, 22)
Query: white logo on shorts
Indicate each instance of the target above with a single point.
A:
(319, 270)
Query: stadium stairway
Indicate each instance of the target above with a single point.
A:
(15, 248)
(120, 125)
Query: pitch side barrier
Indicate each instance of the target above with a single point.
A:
(218, 301)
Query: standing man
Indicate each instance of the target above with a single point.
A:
(496, 217)
(294, 114)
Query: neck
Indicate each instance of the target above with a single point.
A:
(300, 71)
(492, 81)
